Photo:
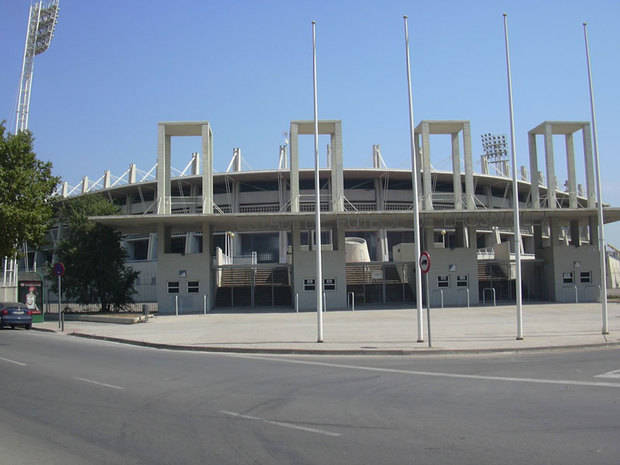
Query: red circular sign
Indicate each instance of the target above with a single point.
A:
(59, 269)
(425, 262)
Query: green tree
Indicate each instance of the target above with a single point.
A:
(93, 256)
(26, 189)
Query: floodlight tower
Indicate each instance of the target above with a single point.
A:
(41, 23)
(495, 153)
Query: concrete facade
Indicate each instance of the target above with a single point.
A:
(245, 238)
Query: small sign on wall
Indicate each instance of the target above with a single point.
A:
(309, 285)
(329, 284)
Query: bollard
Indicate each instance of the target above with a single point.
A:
(297, 302)
(204, 304)
(352, 294)
(176, 304)
(324, 302)
(576, 295)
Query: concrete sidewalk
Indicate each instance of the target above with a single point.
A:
(384, 331)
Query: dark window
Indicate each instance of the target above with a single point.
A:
(586, 277)
(177, 244)
(443, 281)
(193, 287)
(362, 184)
(258, 186)
(173, 287)
(400, 185)
(308, 184)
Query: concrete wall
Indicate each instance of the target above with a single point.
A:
(565, 259)
(304, 267)
(464, 263)
(183, 268)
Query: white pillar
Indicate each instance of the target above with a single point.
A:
(550, 164)
(570, 169)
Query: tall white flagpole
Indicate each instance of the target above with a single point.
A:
(416, 212)
(317, 188)
(599, 188)
(515, 190)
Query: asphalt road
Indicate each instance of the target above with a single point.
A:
(65, 400)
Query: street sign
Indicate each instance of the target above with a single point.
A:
(59, 269)
(425, 262)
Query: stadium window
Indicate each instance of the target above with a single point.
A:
(586, 276)
(193, 287)
(173, 287)
(443, 281)
(462, 281)
(567, 278)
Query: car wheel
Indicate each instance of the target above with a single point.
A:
(28, 326)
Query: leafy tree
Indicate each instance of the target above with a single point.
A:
(93, 256)
(26, 188)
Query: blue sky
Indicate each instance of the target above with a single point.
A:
(116, 68)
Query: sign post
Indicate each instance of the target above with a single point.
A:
(425, 266)
(59, 270)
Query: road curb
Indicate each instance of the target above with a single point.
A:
(291, 351)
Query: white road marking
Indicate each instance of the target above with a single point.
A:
(112, 386)
(436, 373)
(13, 361)
(280, 423)
(610, 374)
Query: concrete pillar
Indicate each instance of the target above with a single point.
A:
(593, 223)
(570, 169)
(538, 242)
(207, 169)
(131, 176)
(535, 181)
(234, 200)
(106, 179)
(151, 253)
(84, 184)
(469, 169)
(472, 237)
(163, 171)
(427, 237)
(456, 172)
(383, 249)
(460, 234)
(283, 246)
(575, 235)
(337, 177)
(206, 270)
(426, 167)
(294, 164)
(236, 159)
(589, 163)
(419, 169)
(379, 194)
(195, 164)
(550, 165)
(65, 189)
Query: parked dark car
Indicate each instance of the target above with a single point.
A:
(15, 314)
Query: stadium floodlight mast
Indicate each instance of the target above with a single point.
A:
(41, 23)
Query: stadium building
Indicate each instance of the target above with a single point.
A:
(244, 239)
